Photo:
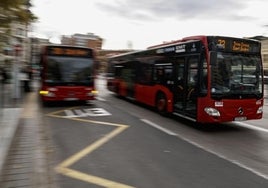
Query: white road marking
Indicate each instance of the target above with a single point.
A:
(97, 112)
(100, 99)
(90, 112)
(265, 176)
(159, 127)
(254, 171)
(246, 125)
(80, 113)
(69, 113)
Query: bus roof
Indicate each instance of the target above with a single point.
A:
(67, 50)
(197, 37)
(154, 48)
(231, 41)
(64, 46)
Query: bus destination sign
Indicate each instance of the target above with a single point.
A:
(68, 51)
(240, 46)
(236, 45)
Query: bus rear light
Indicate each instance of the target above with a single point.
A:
(260, 110)
(212, 112)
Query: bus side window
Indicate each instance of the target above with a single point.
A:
(204, 78)
(160, 76)
(204, 83)
(145, 74)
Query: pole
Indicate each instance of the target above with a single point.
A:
(16, 81)
(1, 96)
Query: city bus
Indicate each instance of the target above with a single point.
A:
(206, 79)
(67, 73)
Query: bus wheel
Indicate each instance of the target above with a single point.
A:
(161, 104)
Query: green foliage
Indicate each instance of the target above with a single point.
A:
(15, 10)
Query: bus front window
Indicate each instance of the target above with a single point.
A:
(236, 75)
(66, 71)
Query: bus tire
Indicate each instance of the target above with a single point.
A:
(161, 104)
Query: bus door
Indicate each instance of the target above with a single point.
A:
(185, 88)
(144, 82)
(127, 75)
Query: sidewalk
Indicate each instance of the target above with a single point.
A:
(23, 147)
(10, 110)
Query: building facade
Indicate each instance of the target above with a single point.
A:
(16, 47)
(35, 50)
(85, 40)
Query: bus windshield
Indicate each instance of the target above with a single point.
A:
(69, 71)
(236, 76)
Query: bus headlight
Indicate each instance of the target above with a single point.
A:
(260, 110)
(43, 92)
(212, 111)
(92, 93)
(47, 93)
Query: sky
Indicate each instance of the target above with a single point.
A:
(138, 24)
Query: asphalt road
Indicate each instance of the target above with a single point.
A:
(116, 143)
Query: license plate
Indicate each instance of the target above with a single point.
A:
(240, 118)
(71, 99)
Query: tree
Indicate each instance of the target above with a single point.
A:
(15, 10)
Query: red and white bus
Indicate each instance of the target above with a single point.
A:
(206, 79)
(67, 73)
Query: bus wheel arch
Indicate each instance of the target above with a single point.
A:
(161, 103)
